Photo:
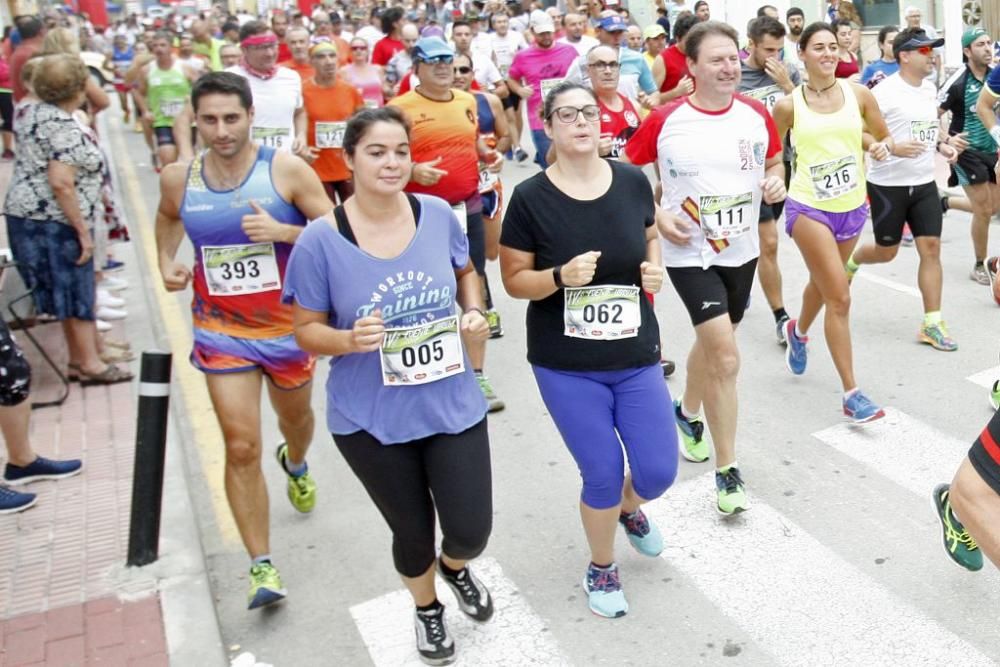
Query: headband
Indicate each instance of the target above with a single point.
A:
(322, 47)
(263, 39)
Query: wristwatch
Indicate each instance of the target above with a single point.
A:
(557, 276)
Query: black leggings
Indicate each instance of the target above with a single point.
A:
(408, 481)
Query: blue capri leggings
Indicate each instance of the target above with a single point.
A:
(592, 409)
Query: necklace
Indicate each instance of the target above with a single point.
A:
(234, 184)
(823, 90)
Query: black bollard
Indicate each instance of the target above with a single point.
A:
(150, 454)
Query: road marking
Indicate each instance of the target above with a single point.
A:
(208, 440)
(930, 456)
(985, 378)
(891, 284)
(798, 600)
(516, 635)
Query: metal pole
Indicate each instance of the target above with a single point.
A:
(150, 453)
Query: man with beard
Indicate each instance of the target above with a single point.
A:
(795, 19)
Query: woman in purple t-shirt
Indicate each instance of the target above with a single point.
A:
(374, 286)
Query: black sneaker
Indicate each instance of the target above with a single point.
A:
(434, 644)
(473, 598)
(668, 367)
(520, 155)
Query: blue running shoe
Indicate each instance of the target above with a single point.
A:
(860, 409)
(41, 468)
(113, 265)
(644, 536)
(604, 591)
(12, 501)
(796, 354)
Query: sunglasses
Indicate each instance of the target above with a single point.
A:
(464, 69)
(925, 50)
(436, 60)
(567, 115)
(359, 48)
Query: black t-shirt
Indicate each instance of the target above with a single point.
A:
(541, 219)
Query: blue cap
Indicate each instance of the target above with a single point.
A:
(613, 24)
(431, 47)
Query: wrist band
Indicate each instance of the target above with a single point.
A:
(477, 310)
(557, 276)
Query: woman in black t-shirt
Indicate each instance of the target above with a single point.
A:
(593, 340)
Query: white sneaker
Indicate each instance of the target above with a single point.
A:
(103, 326)
(106, 298)
(107, 313)
(113, 283)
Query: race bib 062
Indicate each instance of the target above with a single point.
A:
(602, 312)
(421, 354)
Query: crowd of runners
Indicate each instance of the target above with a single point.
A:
(340, 180)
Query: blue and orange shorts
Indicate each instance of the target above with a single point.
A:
(280, 359)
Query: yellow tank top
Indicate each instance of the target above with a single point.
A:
(829, 164)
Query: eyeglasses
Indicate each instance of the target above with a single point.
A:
(567, 115)
(436, 60)
(464, 69)
(603, 64)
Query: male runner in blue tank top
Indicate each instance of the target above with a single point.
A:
(243, 206)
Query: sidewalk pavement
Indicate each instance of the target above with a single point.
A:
(66, 597)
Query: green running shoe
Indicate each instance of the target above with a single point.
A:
(693, 445)
(995, 396)
(732, 495)
(301, 488)
(958, 543)
(936, 335)
(494, 403)
(265, 586)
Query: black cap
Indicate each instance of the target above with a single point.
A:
(911, 41)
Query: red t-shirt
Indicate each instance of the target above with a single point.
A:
(619, 124)
(675, 63)
(284, 53)
(385, 49)
(21, 54)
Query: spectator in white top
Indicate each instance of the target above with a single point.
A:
(574, 26)
(913, 17)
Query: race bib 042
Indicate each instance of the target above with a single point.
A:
(835, 178)
(233, 270)
(924, 131)
(421, 354)
(602, 312)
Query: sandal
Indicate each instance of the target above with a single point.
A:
(117, 355)
(110, 375)
(117, 344)
(72, 372)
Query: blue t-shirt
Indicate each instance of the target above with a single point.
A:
(993, 81)
(329, 274)
(878, 70)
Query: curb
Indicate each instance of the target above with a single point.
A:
(181, 575)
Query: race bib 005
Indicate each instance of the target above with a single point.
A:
(421, 354)
(835, 178)
(232, 270)
(603, 312)
(725, 216)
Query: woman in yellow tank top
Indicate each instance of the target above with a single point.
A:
(826, 207)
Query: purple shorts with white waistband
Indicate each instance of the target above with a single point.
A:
(845, 226)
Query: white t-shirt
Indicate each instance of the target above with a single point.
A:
(274, 102)
(505, 47)
(582, 47)
(711, 166)
(194, 63)
(370, 34)
(486, 73)
(482, 46)
(911, 113)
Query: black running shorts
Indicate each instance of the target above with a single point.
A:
(973, 167)
(892, 206)
(717, 290)
(985, 454)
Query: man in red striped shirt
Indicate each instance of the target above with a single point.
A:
(974, 495)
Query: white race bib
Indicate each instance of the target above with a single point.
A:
(487, 179)
(459, 210)
(548, 84)
(421, 354)
(371, 104)
(602, 312)
(924, 131)
(725, 216)
(274, 137)
(171, 107)
(330, 134)
(835, 178)
(234, 270)
(768, 96)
